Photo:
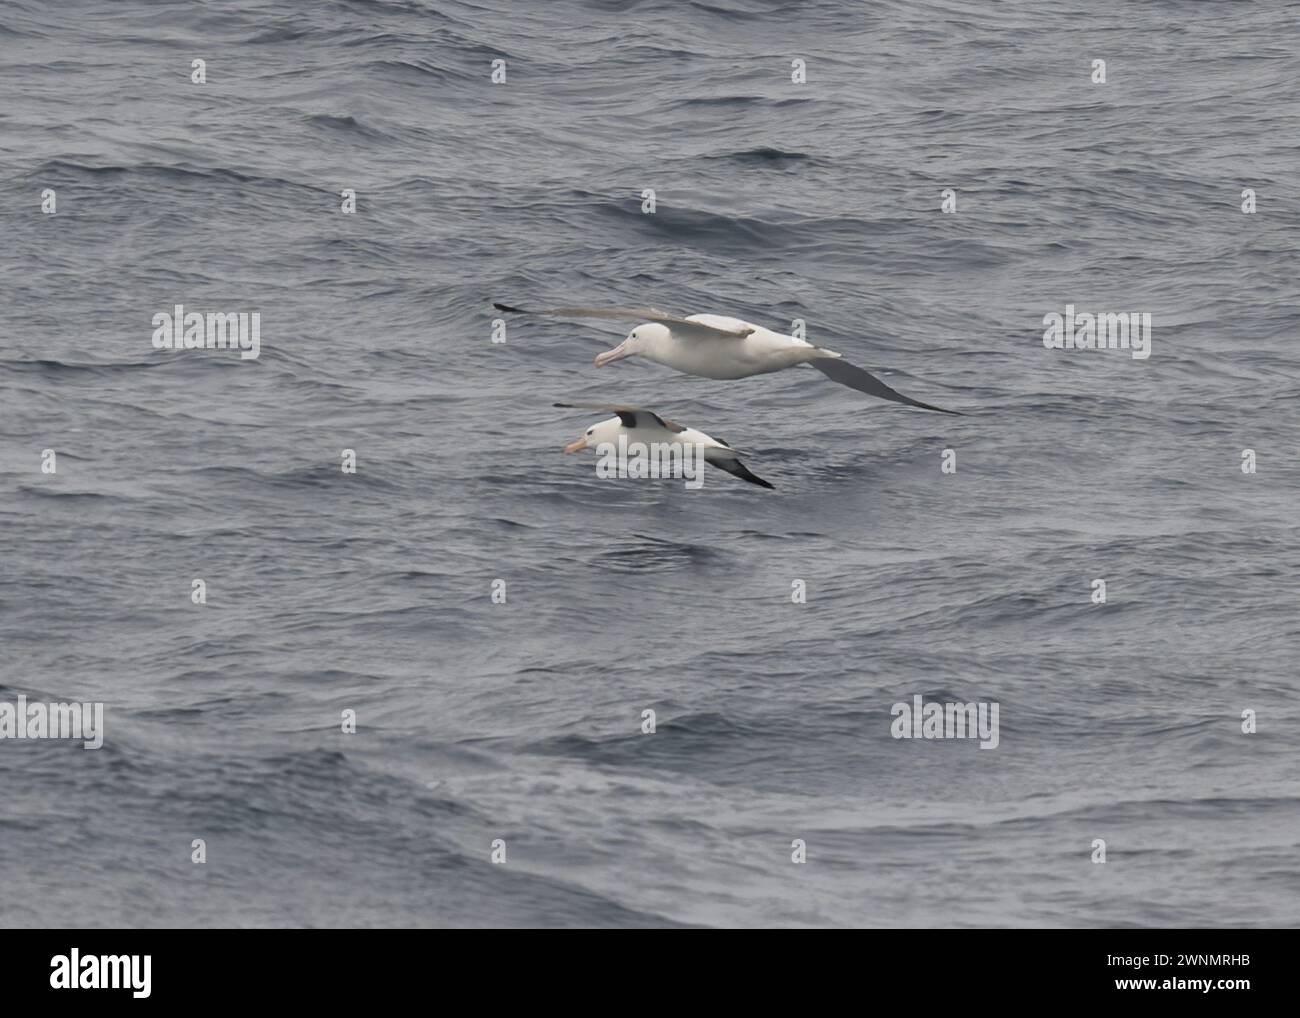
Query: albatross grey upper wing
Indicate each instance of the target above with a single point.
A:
(676, 323)
(840, 370)
(631, 416)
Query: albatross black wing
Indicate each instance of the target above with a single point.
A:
(839, 370)
(631, 416)
(734, 467)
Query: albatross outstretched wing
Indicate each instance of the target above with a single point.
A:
(631, 416)
(678, 324)
(840, 370)
(733, 466)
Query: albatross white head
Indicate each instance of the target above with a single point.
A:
(596, 435)
(641, 340)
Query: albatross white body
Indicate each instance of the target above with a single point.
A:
(753, 351)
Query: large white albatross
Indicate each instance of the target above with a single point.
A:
(647, 427)
(714, 346)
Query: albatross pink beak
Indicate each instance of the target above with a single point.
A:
(577, 446)
(610, 356)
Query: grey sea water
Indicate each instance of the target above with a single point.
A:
(521, 721)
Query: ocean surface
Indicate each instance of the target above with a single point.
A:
(521, 721)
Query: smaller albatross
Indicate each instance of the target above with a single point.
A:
(714, 346)
(645, 426)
